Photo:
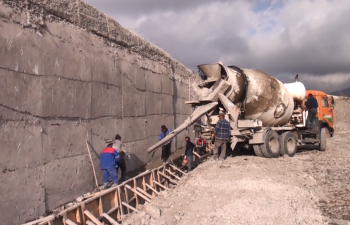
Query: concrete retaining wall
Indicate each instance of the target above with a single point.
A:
(69, 73)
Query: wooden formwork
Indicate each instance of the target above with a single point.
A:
(109, 206)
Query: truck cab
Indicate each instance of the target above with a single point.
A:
(325, 113)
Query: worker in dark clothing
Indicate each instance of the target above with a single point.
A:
(109, 158)
(222, 133)
(117, 145)
(311, 105)
(166, 148)
(189, 153)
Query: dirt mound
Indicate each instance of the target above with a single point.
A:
(310, 188)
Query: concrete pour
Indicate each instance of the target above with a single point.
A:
(69, 73)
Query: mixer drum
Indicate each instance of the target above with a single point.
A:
(267, 99)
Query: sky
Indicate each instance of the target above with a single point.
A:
(279, 37)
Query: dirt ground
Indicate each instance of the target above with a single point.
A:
(311, 188)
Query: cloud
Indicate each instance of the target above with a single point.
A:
(279, 37)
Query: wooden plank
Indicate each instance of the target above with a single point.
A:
(130, 207)
(112, 210)
(144, 193)
(110, 219)
(137, 193)
(92, 217)
(120, 203)
(154, 190)
(160, 185)
(127, 199)
(171, 173)
(100, 206)
(178, 169)
(161, 173)
(69, 222)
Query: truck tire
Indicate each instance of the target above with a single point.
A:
(257, 150)
(271, 146)
(323, 139)
(288, 143)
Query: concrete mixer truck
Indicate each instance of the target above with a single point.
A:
(264, 114)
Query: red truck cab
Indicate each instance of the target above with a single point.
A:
(325, 113)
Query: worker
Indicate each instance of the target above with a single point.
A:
(311, 105)
(189, 153)
(221, 133)
(117, 145)
(109, 158)
(166, 148)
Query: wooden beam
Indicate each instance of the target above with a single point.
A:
(92, 217)
(173, 174)
(166, 176)
(144, 193)
(110, 219)
(177, 169)
(160, 185)
(138, 193)
(150, 187)
(112, 209)
(69, 222)
(129, 207)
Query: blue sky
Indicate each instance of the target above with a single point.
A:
(280, 37)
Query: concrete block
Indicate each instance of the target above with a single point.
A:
(134, 129)
(153, 82)
(153, 103)
(66, 179)
(164, 69)
(104, 68)
(178, 105)
(21, 145)
(167, 104)
(167, 85)
(150, 65)
(140, 79)
(106, 100)
(66, 98)
(21, 92)
(134, 103)
(63, 139)
(22, 195)
(154, 122)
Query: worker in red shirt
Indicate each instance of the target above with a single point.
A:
(109, 158)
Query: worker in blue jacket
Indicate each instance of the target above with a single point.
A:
(108, 163)
(166, 148)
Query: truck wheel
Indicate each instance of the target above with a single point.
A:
(271, 146)
(323, 139)
(257, 150)
(288, 143)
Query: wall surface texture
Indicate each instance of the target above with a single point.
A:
(70, 74)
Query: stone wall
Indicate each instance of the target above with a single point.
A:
(70, 74)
